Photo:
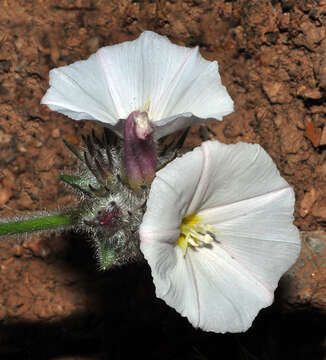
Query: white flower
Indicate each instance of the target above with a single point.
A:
(218, 234)
(174, 84)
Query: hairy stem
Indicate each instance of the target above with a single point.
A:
(37, 224)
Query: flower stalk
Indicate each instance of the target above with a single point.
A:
(38, 224)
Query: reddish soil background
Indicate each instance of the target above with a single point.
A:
(54, 303)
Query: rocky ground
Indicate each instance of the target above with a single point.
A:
(54, 303)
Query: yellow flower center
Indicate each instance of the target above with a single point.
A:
(194, 233)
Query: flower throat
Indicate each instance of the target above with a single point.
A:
(195, 234)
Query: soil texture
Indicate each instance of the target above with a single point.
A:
(54, 303)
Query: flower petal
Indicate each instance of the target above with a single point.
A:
(228, 297)
(80, 91)
(173, 279)
(173, 81)
(207, 286)
(259, 234)
(233, 173)
(192, 93)
(174, 123)
(170, 192)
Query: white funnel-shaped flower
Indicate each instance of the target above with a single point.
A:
(218, 234)
(174, 84)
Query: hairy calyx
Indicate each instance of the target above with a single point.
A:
(113, 183)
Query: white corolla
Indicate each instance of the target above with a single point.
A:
(218, 234)
(173, 84)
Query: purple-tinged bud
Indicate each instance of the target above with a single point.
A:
(142, 125)
(139, 150)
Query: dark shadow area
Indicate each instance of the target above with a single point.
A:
(156, 332)
(129, 322)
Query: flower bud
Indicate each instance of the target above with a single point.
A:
(142, 125)
(139, 150)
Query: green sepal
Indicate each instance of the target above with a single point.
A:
(73, 149)
(72, 180)
(87, 187)
(107, 255)
(77, 183)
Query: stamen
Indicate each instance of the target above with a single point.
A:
(195, 233)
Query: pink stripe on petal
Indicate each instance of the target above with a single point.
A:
(109, 77)
(269, 290)
(152, 237)
(196, 202)
(169, 86)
